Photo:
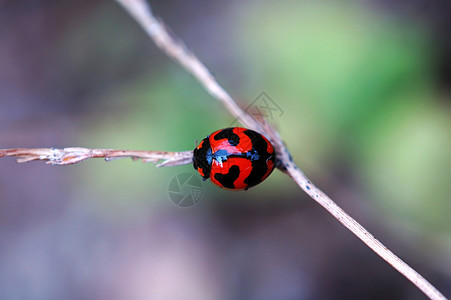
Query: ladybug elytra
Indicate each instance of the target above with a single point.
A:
(235, 158)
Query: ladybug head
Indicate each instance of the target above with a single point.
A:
(202, 158)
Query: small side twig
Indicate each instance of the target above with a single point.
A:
(72, 155)
(176, 49)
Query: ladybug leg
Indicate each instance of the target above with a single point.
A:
(280, 166)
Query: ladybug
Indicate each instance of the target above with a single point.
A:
(235, 158)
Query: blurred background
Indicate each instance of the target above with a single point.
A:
(363, 95)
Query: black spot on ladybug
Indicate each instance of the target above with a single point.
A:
(257, 141)
(257, 173)
(228, 134)
(227, 180)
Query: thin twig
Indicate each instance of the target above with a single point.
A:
(73, 155)
(174, 48)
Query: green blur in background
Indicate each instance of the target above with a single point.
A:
(355, 87)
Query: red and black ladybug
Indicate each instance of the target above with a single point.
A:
(235, 158)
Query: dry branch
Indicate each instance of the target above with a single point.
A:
(72, 155)
(176, 49)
